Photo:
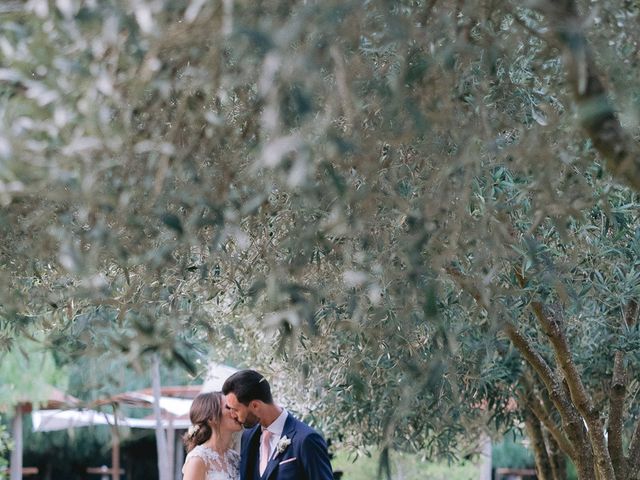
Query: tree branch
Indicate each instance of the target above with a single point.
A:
(580, 399)
(597, 115)
(571, 419)
(633, 461)
(545, 417)
(550, 322)
(534, 431)
(616, 401)
(557, 458)
(616, 409)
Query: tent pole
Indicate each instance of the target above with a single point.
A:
(171, 445)
(179, 458)
(115, 453)
(16, 453)
(161, 439)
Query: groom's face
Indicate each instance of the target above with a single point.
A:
(242, 413)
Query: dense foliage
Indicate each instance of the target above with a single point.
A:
(406, 198)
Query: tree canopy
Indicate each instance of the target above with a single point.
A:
(410, 198)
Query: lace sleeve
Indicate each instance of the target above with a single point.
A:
(197, 452)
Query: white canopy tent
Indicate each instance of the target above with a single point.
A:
(174, 406)
(51, 420)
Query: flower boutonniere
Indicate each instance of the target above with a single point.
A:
(282, 445)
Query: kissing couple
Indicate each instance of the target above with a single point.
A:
(275, 445)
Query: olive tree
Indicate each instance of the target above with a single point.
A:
(391, 183)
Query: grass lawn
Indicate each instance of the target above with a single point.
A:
(404, 467)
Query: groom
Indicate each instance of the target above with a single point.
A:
(275, 445)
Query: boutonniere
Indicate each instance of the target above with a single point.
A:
(282, 445)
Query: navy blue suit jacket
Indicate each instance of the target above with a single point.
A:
(306, 458)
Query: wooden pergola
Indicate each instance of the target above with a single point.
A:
(166, 415)
(174, 404)
(55, 399)
(144, 399)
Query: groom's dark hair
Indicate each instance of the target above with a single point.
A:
(248, 385)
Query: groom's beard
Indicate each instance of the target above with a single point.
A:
(251, 421)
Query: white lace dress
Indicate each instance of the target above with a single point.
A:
(219, 467)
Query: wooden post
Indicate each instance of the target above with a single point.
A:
(179, 458)
(171, 444)
(16, 453)
(485, 457)
(115, 452)
(161, 439)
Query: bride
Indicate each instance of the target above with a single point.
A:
(209, 440)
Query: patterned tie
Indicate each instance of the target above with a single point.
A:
(265, 449)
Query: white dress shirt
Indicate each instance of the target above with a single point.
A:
(276, 429)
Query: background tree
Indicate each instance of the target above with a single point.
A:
(329, 168)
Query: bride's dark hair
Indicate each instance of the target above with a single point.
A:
(205, 407)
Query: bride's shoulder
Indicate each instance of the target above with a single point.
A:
(197, 449)
(190, 463)
(200, 451)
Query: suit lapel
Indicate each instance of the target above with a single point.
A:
(288, 431)
(249, 452)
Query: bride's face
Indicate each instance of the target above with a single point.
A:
(228, 421)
